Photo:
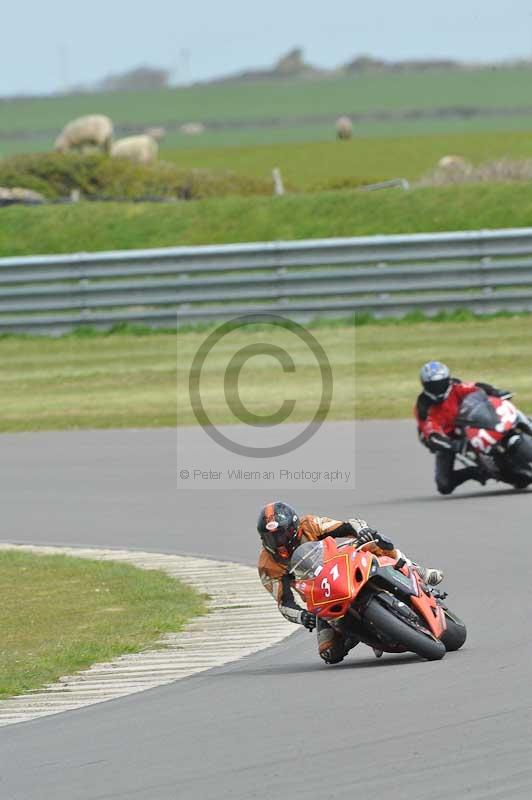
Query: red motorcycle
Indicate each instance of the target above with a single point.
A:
(374, 599)
(494, 435)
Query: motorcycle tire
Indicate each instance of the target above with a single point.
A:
(456, 632)
(399, 632)
(520, 456)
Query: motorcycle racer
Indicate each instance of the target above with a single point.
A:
(282, 531)
(436, 411)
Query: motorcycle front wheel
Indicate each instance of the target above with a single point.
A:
(399, 632)
(519, 457)
(456, 632)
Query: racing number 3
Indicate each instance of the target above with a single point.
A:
(325, 585)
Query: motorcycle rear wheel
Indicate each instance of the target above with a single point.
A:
(399, 632)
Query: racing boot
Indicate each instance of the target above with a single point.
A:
(481, 475)
(331, 644)
(478, 474)
(429, 575)
(448, 479)
(446, 484)
(335, 653)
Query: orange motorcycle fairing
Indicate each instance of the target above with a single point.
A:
(428, 609)
(345, 570)
(339, 580)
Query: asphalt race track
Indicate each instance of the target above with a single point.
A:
(280, 724)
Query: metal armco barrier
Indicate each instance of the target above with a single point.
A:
(484, 271)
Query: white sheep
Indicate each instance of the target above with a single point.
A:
(156, 133)
(95, 130)
(15, 194)
(141, 149)
(192, 128)
(344, 128)
(454, 163)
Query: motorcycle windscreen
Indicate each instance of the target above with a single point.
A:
(476, 411)
(307, 560)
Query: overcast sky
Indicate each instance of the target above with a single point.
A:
(49, 44)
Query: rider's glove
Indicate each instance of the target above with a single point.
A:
(502, 393)
(366, 535)
(439, 442)
(422, 439)
(358, 524)
(308, 620)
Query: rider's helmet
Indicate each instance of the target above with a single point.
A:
(436, 380)
(278, 527)
(307, 559)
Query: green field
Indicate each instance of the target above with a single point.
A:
(131, 381)
(248, 113)
(316, 165)
(116, 226)
(62, 614)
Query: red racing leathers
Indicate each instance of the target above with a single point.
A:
(436, 422)
(441, 417)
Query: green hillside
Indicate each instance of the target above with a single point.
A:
(288, 110)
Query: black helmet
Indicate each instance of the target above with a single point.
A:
(436, 380)
(278, 527)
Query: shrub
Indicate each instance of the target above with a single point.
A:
(99, 177)
(503, 170)
(346, 182)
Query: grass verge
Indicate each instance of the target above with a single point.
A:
(61, 614)
(131, 380)
(91, 227)
(103, 382)
(389, 356)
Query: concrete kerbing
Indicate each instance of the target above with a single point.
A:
(242, 620)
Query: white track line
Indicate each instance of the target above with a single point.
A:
(242, 619)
